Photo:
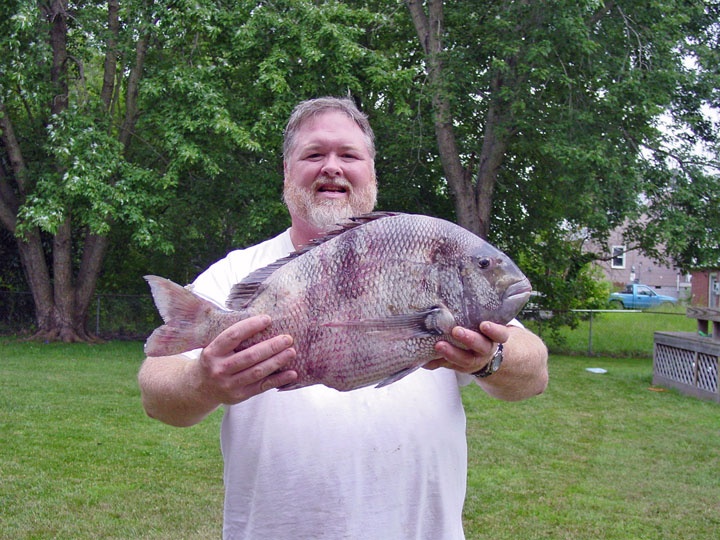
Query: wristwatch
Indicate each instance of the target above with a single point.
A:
(492, 366)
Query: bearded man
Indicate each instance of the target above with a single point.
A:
(372, 463)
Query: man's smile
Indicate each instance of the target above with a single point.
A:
(333, 189)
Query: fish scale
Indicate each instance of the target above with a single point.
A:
(365, 305)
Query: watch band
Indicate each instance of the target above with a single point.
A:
(492, 366)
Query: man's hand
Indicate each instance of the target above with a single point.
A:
(479, 348)
(182, 392)
(523, 372)
(231, 377)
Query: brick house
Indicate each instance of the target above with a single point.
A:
(623, 267)
(706, 288)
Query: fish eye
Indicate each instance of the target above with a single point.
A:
(484, 262)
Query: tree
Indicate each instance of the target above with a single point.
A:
(546, 119)
(156, 123)
(69, 109)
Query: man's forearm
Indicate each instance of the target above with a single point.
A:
(523, 373)
(171, 392)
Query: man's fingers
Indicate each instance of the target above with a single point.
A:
(456, 357)
(263, 375)
(276, 380)
(262, 360)
(228, 340)
(475, 348)
(247, 358)
(497, 333)
(234, 375)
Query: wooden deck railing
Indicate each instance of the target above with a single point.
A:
(689, 361)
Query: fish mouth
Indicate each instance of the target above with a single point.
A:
(516, 296)
(519, 290)
(503, 308)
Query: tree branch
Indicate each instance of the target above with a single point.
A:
(56, 14)
(600, 13)
(110, 67)
(133, 88)
(420, 21)
(13, 150)
(8, 205)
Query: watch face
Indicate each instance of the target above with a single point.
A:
(491, 366)
(497, 359)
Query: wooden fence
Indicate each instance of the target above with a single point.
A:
(689, 361)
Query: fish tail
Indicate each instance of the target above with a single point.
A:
(185, 315)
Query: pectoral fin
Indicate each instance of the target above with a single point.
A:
(431, 322)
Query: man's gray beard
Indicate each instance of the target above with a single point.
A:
(325, 213)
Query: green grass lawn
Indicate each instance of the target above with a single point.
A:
(596, 456)
(79, 459)
(621, 333)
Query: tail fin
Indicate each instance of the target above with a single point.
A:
(185, 315)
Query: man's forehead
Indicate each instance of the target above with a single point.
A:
(319, 140)
(337, 131)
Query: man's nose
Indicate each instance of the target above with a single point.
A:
(331, 166)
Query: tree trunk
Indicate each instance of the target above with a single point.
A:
(58, 313)
(94, 250)
(429, 29)
(492, 153)
(473, 196)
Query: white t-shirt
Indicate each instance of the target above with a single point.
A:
(312, 463)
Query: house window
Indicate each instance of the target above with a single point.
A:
(618, 257)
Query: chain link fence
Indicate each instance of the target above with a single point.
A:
(111, 316)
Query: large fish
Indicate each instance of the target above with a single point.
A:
(364, 305)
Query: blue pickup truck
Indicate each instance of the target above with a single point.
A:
(637, 296)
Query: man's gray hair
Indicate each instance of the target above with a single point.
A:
(313, 107)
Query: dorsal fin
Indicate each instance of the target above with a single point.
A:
(343, 227)
(251, 285)
(242, 293)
